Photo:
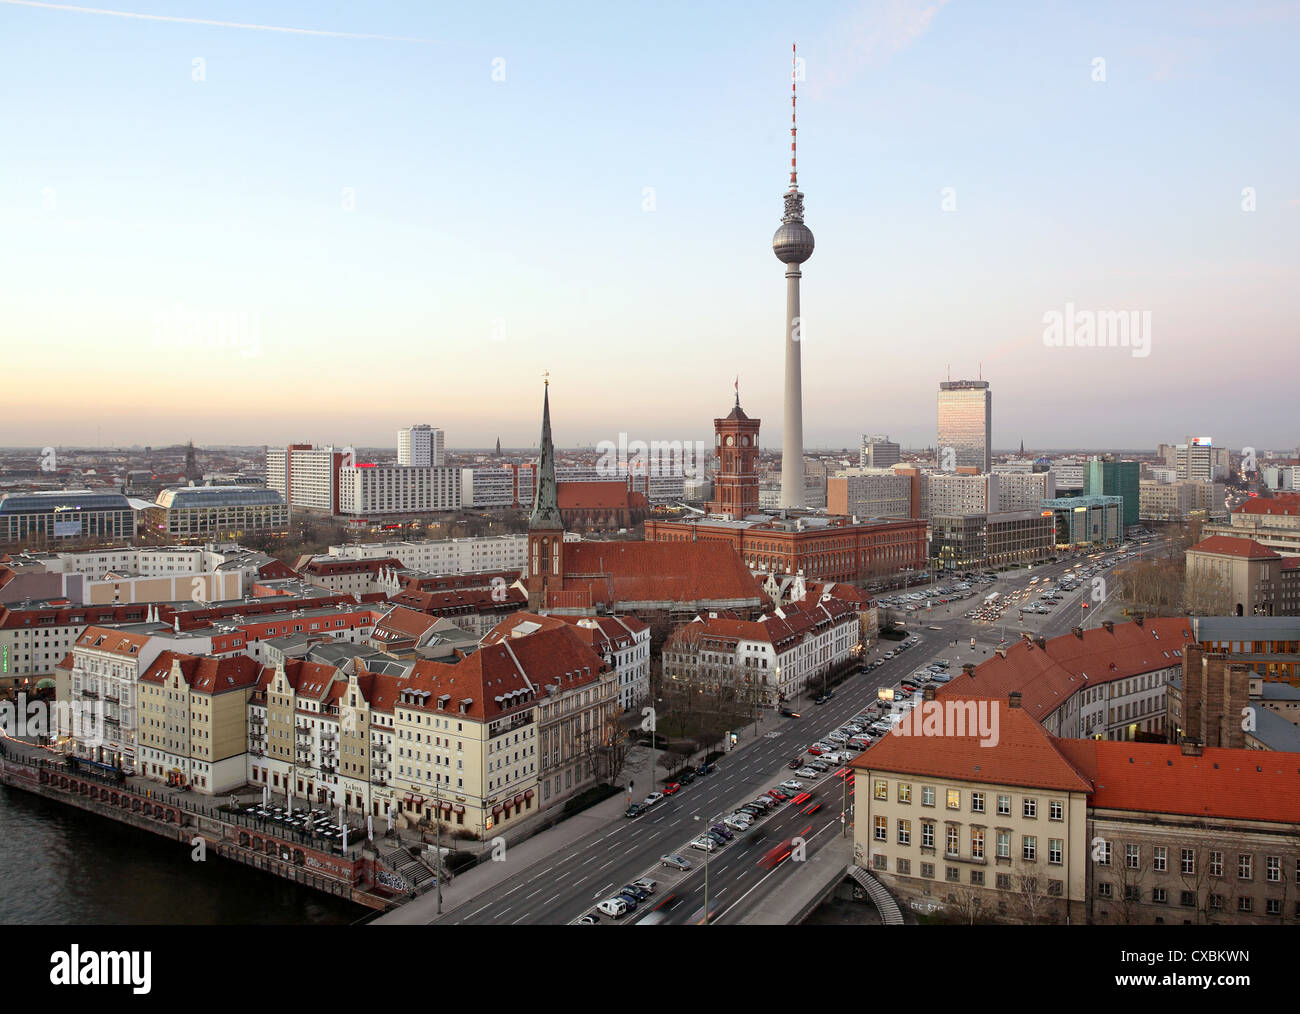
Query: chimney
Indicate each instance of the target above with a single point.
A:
(969, 669)
(1191, 748)
(927, 694)
(1138, 618)
(1013, 699)
(1077, 632)
(1109, 625)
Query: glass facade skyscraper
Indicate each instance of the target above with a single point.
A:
(965, 424)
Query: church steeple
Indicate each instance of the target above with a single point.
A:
(545, 525)
(546, 508)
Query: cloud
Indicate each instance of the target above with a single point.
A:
(216, 24)
(870, 37)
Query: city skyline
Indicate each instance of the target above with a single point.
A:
(379, 261)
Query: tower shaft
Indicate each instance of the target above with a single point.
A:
(792, 486)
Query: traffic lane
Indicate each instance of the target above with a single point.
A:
(733, 870)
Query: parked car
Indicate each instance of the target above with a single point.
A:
(738, 822)
(808, 773)
(590, 919)
(815, 749)
(631, 900)
(635, 810)
(721, 829)
(706, 769)
(646, 884)
(792, 785)
(672, 788)
(613, 907)
(651, 799)
(704, 844)
(675, 862)
(639, 893)
(717, 838)
(795, 763)
(687, 776)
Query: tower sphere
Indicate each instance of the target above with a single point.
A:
(793, 243)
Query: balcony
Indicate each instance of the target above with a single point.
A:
(90, 693)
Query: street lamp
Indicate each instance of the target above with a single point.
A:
(708, 849)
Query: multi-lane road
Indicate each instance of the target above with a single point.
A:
(569, 883)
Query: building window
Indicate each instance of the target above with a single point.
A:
(1004, 844)
(952, 846)
(954, 799)
(1056, 810)
(1216, 902)
(1055, 850)
(882, 829)
(927, 799)
(1030, 848)
(1004, 881)
(1189, 863)
(1216, 864)
(903, 866)
(1031, 809)
(927, 870)
(1103, 853)
(1245, 905)
(1274, 906)
(882, 789)
(927, 834)
(1103, 889)
(904, 792)
(1055, 888)
(953, 873)
(1004, 806)
(1187, 899)
(1131, 893)
(904, 832)
(977, 802)
(880, 862)
(1132, 857)
(977, 878)
(1160, 858)
(977, 843)
(1273, 864)
(1245, 865)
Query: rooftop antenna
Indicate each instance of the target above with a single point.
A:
(794, 73)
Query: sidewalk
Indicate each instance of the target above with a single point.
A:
(468, 885)
(805, 890)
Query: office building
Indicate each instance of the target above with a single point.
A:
(965, 425)
(421, 447)
(879, 452)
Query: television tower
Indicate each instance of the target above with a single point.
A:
(792, 244)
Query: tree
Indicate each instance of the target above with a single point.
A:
(1207, 590)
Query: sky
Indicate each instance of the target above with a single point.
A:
(238, 235)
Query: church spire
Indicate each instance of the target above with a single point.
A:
(546, 508)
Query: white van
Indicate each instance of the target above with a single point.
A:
(613, 907)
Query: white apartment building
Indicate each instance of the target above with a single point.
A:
(879, 452)
(367, 490)
(948, 493)
(1069, 473)
(1024, 491)
(496, 486)
(421, 446)
(449, 556)
(869, 493)
(306, 476)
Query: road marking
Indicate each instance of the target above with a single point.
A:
(550, 899)
(603, 889)
(520, 919)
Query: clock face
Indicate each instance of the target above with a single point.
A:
(730, 441)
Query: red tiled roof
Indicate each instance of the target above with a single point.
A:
(402, 622)
(1047, 677)
(1228, 545)
(479, 600)
(1287, 505)
(1024, 754)
(108, 639)
(606, 494)
(598, 632)
(330, 568)
(203, 674)
(614, 572)
(1158, 778)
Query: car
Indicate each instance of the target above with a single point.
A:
(815, 749)
(800, 799)
(820, 699)
(792, 785)
(704, 844)
(635, 810)
(942, 678)
(838, 737)
(795, 763)
(706, 769)
(718, 839)
(778, 795)
(631, 900)
(889, 654)
(639, 893)
(646, 884)
(808, 773)
(675, 862)
(615, 908)
(672, 788)
(590, 919)
(721, 829)
(687, 776)
(787, 713)
(754, 811)
(739, 822)
(651, 799)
